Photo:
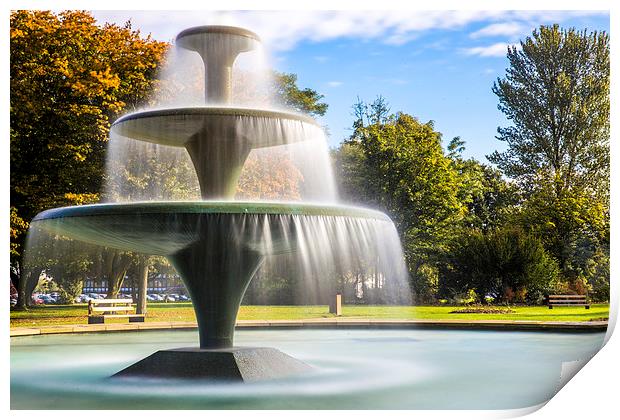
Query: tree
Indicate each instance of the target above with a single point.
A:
(69, 79)
(396, 163)
(575, 229)
(269, 176)
(18, 229)
(490, 199)
(301, 100)
(54, 257)
(556, 94)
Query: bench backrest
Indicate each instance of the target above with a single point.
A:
(110, 305)
(111, 301)
(567, 298)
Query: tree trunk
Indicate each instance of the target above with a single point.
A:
(142, 280)
(27, 285)
(115, 268)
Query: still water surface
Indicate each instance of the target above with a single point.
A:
(355, 369)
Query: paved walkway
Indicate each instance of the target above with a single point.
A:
(592, 326)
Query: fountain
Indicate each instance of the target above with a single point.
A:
(217, 244)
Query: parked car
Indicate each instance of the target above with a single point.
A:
(47, 299)
(172, 298)
(13, 302)
(184, 298)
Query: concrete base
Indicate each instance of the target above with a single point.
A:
(247, 364)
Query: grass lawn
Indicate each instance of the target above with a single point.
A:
(76, 314)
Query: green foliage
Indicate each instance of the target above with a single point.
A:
(302, 100)
(507, 265)
(18, 228)
(396, 163)
(575, 230)
(556, 94)
(68, 263)
(490, 199)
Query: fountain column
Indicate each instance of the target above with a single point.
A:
(216, 271)
(218, 163)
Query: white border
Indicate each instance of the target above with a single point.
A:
(591, 394)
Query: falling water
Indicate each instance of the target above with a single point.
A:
(321, 250)
(176, 151)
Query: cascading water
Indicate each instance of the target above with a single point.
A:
(192, 152)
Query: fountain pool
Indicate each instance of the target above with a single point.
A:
(355, 369)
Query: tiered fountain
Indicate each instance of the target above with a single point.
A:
(217, 244)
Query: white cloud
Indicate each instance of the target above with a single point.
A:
(498, 49)
(283, 30)
(499, 29)
(334, 83)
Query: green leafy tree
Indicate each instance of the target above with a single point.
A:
(575, 230)
(489, 198)
(66, 262)
(304, 100)
(556, 94)
(396, 163)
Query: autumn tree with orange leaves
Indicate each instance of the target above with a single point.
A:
(69, 79)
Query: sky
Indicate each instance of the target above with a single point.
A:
(434, 65)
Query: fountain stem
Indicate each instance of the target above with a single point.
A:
(218, 164)
(218, 84)
(216, 271)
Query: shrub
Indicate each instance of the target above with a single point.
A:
(505, 265)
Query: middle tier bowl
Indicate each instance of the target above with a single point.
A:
(163, 228)
(256, 127)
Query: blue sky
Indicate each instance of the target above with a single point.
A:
(435, 65)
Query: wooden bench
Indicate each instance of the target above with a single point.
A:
(100, 309)
(568, 300)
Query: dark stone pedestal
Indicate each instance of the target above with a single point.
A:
(246, 364)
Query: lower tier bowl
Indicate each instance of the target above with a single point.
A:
(163, 228)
